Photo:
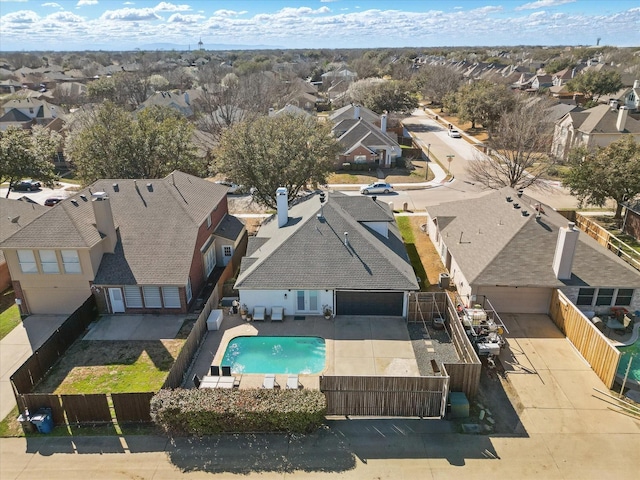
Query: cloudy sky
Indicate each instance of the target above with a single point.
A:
(127, 25)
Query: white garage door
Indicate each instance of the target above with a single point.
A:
(518, 299)
(48, 301)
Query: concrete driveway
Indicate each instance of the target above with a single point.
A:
(135, 327)
(19, 345)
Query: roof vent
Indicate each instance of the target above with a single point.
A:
(346, 239)
(509, 199)
(520, 192)
(83, 197)
(516, 205)
(525, 213)
(75, 202)
(116, 187)
(374, 198)
(150, 187)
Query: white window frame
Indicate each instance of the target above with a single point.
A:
(596, 294)
(71, 261)
(309, 296)
(49, 261)
(227, 250)
(209, 257)
(209, 221)
(27, 260)
(189, 291)
(151, 293)
(133, 296)
(169, 294)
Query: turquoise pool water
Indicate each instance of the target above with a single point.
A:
(634, 372)
(275, 355)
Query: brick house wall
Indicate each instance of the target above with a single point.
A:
(632, 224)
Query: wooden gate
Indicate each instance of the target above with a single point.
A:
(386, 396)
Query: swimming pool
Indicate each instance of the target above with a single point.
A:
(257, 354)
(634, 371)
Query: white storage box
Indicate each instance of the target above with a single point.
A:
(215, 320)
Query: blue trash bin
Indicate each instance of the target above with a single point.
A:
(43, 420)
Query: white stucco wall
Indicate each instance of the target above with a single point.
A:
(276, 298)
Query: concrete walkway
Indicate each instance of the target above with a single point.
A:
(19, 345)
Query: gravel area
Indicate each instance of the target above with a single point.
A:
(430, 345)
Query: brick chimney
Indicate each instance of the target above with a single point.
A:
(565, 250)
(104, 220)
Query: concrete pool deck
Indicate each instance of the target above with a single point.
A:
(354, 346)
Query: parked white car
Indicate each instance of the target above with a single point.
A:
(453, 133)
(377, 187)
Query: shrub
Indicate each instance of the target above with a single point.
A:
(212, 410)
(346, 166)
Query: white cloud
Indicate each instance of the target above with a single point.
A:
(170, 7)
(21, 16)
(543, 4)
(328, 1)
(82, 3)
(66, 17)
(181, 18)
(228, 13)
(51, 5)
(131, 14)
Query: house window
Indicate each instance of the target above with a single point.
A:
(49, 261)
(227, 250)
(585, 296)
(189, 292)
(209, 221)
(307, 300)
(623, 298)
(152, 297)
(27, 261)
(209, 254)
(171, 297)
(70, 261)
(132, 296)
(605, 296)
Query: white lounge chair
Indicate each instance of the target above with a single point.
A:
(293, 382)
(258, 314)
(277, 314)
(269, 381)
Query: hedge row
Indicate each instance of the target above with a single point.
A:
(212, 410)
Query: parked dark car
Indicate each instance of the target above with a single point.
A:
(51, 201)
(26, 186)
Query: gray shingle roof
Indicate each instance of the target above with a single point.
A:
(495, 245)
(348, 113)
(309, 253)
(14, 215)
(157, 227)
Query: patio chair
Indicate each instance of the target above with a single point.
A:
(627, 323)
(196, 381)
(258, 314)
(277, 314)
(215, 371)
(269, 381)
(600, 325)
(293, 382)
(226, 371)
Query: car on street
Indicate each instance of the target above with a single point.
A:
(233, 187)
(453, 133)
(51, 201)
(26, 186)
(376, 187)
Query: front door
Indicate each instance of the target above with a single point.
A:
(307, 301)
(117, 301)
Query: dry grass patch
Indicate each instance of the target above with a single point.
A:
(431, 261)
(112, 367)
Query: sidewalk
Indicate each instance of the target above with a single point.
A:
(17, 346)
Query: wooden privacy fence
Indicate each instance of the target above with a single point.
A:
(465, 374)
(38, 364)
(590, 342)
(608, 240)
(91, 408)
(385, 396)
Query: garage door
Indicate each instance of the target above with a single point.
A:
(369, 303)
(54, 300)
(518, 300)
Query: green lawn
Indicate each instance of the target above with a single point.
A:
(9, 313)
(404, 223)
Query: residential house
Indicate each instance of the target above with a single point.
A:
(365, 143)
(14, 214)
(289, 109)
(516, 251)
(26, 112)
(596, 127)
(346, 254)
(354, 111)
(541, 81)
(139, 246)
(182, 102)
(625, 97)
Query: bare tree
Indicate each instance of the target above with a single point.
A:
(436, 81)
(518, 148)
